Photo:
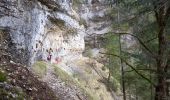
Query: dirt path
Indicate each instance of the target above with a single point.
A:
(59, 87)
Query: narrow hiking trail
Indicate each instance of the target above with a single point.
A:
(64, 91)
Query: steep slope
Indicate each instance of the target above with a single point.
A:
(64, 90)
(49, 33)
(23, 84)
(17, 82)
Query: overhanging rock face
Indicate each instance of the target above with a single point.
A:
(39, 29)
(43, 28)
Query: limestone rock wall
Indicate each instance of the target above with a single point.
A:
(39, 31)
(42, 29)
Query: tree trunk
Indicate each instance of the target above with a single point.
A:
(151, 87)
(136, 94)
(122, 70)
(161, 89)
(108, 79)
(161, 64)
(161, 14)
(121, 62)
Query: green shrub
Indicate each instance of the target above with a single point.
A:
(103, 68)
(114, 84)
(88, 53)
(83, 22)
(76, 3)
(12, 94)
(2, 77)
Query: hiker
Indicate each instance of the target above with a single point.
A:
(49, 54)
(49, 57)
(58, 60)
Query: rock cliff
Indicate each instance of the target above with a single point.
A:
(40, 28)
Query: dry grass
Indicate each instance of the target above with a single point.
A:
(39, 68)
(70, 81)
(89, 79)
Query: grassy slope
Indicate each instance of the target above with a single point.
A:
(87, 82)
(69, 80)
(39, 68)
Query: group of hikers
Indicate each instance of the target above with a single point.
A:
(49, 57)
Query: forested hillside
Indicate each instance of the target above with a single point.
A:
(145, 62)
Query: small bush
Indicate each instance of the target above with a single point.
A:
(88, 53)
(83, 22)
(114, 84)
(77, 3)
(2, 77)
(12, 94)
(103, 68)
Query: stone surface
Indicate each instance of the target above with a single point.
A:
(39, 31)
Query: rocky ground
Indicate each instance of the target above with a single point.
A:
(65, 92)
(20, 83)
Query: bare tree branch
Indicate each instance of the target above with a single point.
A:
(132, 67)
(150, 40)
(140, 41)
(146, 69)
(167, 14)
